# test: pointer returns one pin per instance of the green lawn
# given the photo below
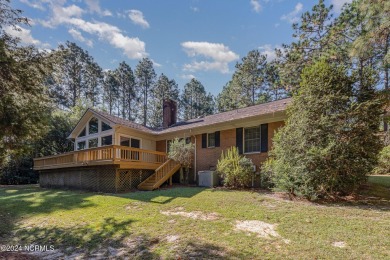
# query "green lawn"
(196, 223)
(383, 180)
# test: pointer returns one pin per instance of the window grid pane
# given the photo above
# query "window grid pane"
(107, 140)
(92, 143)
(252, 139)
(93, 126)
(211, 140)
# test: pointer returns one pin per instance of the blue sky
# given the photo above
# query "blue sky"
(185, 39)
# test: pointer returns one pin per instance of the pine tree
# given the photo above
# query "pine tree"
(250, 76)
(127, 90)
(77, 76)
(111, 91)
(164, 89)
(146, 76)
(195, 101)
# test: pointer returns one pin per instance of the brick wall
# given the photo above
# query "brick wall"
(207, 158)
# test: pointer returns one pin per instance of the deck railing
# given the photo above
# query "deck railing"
(106, 154)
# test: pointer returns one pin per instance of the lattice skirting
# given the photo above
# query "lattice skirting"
(101, 179)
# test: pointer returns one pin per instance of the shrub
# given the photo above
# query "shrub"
(383, 166)
(182, 153)
(235, 170)
(329, 143)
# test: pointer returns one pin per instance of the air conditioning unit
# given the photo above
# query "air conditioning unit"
(208, 178)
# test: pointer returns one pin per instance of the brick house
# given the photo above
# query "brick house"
(115, 155)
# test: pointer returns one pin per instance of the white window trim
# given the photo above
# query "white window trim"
(243, 140)
(97, 135)
(208, 140)
(131, 137)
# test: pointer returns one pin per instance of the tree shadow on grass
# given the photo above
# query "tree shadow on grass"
(24, 201)
(163, 196)
(369, 197)
(110, 232)
(203, 250)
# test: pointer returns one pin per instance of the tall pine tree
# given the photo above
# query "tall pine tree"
(146, 77)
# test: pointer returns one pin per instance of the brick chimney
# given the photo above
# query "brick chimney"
(169, 113)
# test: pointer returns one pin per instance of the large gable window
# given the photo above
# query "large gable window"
(105, 126)
(83, 133)
(252, 140)
(107, 140)
(93, 126)
(92, 143)
(81, 145)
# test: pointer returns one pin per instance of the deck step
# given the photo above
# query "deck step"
(161, 174)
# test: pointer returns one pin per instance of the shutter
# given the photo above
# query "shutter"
(239, 143)
(217, 139)
(204, 140)
(264, 137)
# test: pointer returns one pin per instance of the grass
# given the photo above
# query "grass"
(383, 180)
(84, 222)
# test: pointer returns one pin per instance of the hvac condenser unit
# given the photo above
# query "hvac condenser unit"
(208, 178)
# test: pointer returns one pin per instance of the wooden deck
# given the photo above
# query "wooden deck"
(124, 157)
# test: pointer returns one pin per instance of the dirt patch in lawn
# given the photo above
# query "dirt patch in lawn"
(192, 214)
(262, 229)
(339, 244)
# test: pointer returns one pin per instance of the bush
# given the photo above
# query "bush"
(266, 174)
(182, 153)
(235, 170)
(383, 166)
(329, 143)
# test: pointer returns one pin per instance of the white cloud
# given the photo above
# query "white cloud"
(71, 15)
(268, 50)
(94, 7)
(156, 64)
(293, 17)
(194, 9)
(25, 36)
(256, 6)
(218, 54)
(78, 36)
(134, 48)
(34, 4)
(338, 4)
(187, 76)
(137, 17)
(62, 14)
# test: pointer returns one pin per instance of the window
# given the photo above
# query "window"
(92, 143)
(125, 141)
(252, 140)
(211, 140)
(93, 126)
(107, 140)
(105, 126)
(130, 142)
(82, 133)
(135, 143)
(81, 145)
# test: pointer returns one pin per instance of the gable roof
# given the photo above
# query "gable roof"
(123, 122)
(274, 107)
(237, 114)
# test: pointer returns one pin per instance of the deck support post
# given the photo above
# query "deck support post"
(170, 181)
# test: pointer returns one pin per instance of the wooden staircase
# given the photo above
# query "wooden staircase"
(161, 174)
